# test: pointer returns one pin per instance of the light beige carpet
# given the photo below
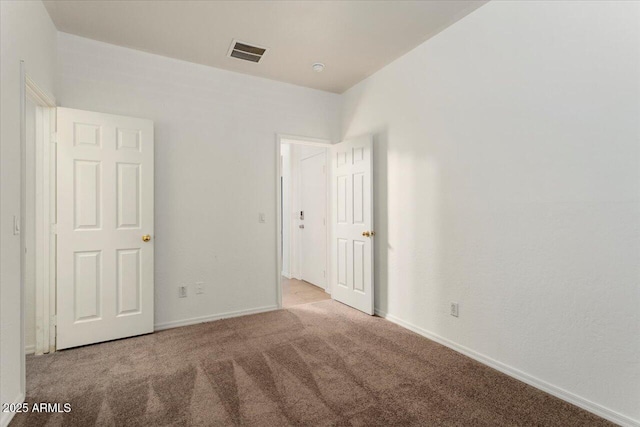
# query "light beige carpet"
(319, 364)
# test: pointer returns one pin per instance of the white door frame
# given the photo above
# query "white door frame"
(45, 198)
(45, 201)
(298, 140)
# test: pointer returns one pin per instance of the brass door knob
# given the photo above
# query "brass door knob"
(146, 238)
(366, 233)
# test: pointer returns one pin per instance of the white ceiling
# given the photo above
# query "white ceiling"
(353, 39)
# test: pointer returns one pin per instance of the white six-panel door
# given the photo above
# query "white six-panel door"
(352, 223)
(105, 207)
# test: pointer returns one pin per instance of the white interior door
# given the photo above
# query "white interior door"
(313, 237)
(105, 207)
(352, 223)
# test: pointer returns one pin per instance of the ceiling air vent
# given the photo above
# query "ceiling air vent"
(245, 51)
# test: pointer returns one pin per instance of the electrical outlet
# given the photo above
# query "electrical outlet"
(454, 309)
(261, 217)
(199, 287)
(182, 291)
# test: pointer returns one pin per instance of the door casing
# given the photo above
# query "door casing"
(44, 207)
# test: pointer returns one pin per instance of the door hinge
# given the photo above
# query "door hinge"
(54, 320)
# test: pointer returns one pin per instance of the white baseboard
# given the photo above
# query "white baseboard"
(558, 392)
(6, 417)
(30, 349)
(202, 319)
(286, 274)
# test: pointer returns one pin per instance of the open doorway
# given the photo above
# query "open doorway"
(303, 221)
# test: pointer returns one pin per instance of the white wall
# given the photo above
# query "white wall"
(26, 33)
(215, 154)
(507, 151)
